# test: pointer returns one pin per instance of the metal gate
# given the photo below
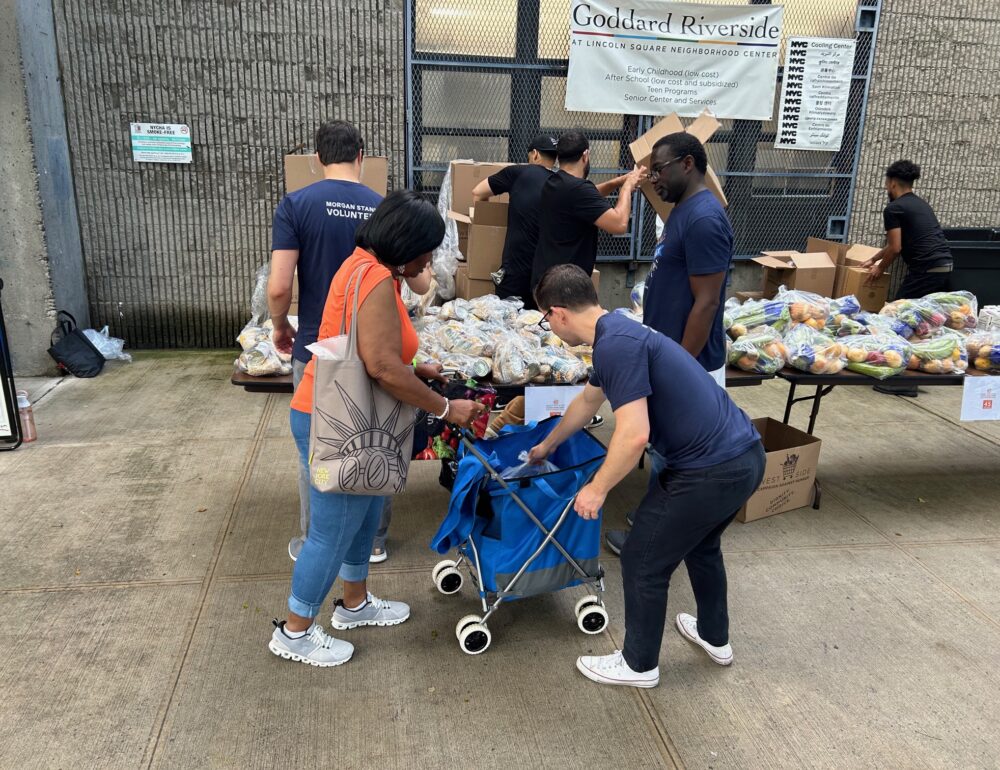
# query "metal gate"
(485, 76)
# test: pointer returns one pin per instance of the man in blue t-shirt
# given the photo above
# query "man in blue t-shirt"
(314, 231)
(712, 458)
(686, 285)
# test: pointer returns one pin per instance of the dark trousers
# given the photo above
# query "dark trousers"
(916, 285)
(682, 518)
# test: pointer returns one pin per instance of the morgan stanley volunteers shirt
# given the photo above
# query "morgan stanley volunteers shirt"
(320, 221)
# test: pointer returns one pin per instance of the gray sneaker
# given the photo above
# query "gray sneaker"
(374, 612)
(614, 539)
(316, 647)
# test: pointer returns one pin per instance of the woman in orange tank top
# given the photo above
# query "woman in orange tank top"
(394, 244)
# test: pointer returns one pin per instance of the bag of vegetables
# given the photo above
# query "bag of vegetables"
(802, 307)
(916, 316)
(812, 351)
(941, 353)
(843, 309)
(877, 355)
(760, 350)
(983, 350)
(754, 313)
(961, 307)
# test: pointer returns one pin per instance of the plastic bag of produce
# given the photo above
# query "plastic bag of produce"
(754, 313)
(846, 327)
(983, 350)
(455, 310)
(944, 352)
(760, 350)
(960, 306)
(638, 296)
(252, 335)
(469, 367)
(262, 360)
(558, 366)
(919, 316)
(514, 362)
(456, 337)
(989, 318)
(491, 308)
(812, 351)
(843, 308)
(878, 355)
(731, 307)
(803, 307)
(526, 318)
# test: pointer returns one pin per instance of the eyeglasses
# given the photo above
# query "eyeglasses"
(655, 171)
(545, 317)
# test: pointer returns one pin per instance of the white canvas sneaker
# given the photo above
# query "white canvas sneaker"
(315, 647)
(688, 627)
(612, 669)
(374, 612)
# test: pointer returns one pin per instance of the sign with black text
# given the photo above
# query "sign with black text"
(650, 57)
(815, 92)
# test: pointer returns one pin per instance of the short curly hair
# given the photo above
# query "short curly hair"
(904, 170)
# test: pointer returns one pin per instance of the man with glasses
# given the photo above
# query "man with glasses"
(686, 285)
(573, 209)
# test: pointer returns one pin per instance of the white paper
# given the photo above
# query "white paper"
(980, 399)
(161, 143)
(544, 401)
(815, 92)
(650, 57)
(6, 429)
(330, 349)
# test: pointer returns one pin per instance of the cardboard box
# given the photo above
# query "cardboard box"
(871, 298)
(465, 175)
(487, 233)
(468, 288)
(835, 249)
(595, 278)
(302, 170)
(858, 254)
(703, 127)
(794, 270)
(789, 473)
(743, 296)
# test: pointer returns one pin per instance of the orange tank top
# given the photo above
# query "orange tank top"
(333, 311)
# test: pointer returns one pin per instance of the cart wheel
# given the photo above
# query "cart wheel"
(475, 639)
(589, 599)
(592, 619)
(448, 581)
(468, 620)
(439, 568)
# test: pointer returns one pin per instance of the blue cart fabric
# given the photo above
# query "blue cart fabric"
(482, 510)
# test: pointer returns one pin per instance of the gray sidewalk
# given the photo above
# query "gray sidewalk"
(144, 556)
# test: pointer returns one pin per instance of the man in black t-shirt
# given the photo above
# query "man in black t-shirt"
(573, 209)
(524, 182)
(912, 232)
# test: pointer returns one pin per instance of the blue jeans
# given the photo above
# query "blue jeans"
(341, 531)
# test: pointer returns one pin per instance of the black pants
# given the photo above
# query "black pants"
(916, 285)
(682, 518)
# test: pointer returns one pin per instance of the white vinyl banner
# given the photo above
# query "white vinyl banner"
(650, 57)
(814, 93)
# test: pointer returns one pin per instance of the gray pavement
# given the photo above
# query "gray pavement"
(144, 556)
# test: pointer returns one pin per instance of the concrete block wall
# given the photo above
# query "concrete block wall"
(171, 250)
(935, 99)
(28, 305)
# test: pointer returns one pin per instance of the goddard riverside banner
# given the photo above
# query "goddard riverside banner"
(650, 57)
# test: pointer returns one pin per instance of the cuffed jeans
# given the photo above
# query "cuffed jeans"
(682, 518)
(298, 367)
(341, 531)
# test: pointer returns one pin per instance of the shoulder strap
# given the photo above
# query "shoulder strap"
(347, 290)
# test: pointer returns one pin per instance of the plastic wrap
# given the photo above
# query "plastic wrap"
(558, 366)
(915, 316)
(262, 360)
(731, 307)
(258, 300)
(812, 351)
(456, 309)
(638, 296)
(843, 308)
(515, 362)
(877, 355)
(760, 350)
(846, 327)
(456, 337)
(989, 318)
(551, 339)
(470, 367)
(444, 261)
(526, 318)
(491, 308)
(944, 352)
(252, 335)
(754, 313)
(112, 348)
(802, 307)
(983, 350)
(961, 307)
(527, 469)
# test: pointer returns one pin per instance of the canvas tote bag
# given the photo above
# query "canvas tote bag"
(360, 437)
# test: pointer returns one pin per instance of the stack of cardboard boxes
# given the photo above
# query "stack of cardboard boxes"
(827, 268)
(482, 228)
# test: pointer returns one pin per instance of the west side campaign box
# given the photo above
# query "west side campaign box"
(789, 473)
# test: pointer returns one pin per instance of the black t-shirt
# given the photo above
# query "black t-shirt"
(524, 183)
(924, 244)
(566, 231)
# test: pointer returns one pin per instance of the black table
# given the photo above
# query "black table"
(824, 383)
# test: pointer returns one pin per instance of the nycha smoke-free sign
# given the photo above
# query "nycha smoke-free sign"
(649, 57)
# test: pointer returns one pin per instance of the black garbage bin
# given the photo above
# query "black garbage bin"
(976, 251)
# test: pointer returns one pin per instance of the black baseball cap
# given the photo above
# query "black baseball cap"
(543, 143)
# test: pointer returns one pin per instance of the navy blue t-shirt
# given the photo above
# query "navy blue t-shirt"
(693, 422)
(697, 240)
(320, 221)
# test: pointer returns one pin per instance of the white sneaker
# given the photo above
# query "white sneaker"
(378, 556)
(374, 612)
(612, 669)
(688, 626)
(315, 647)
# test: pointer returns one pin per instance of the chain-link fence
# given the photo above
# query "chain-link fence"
(488, 75)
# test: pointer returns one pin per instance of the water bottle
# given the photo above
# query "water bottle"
(28, 432)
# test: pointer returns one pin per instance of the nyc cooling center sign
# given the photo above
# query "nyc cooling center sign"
(650, 57)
